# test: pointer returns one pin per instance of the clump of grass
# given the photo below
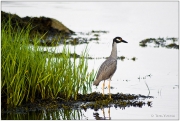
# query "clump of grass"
(27, 74)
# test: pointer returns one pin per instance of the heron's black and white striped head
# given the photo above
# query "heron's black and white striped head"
(119, 40)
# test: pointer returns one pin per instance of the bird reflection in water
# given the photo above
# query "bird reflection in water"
(98, 117)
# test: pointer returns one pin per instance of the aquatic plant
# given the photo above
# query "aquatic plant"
(134, 58)
(160, 42)
(142, 44)
(27, 74)
(173, 45)
(121, 58)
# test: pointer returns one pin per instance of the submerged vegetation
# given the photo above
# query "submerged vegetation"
(27, 74)
(160, 42)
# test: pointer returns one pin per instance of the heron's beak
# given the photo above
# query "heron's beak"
(124, 41)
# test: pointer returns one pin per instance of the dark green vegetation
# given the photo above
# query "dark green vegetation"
(27, 74)
(93, 101)
(160, 42)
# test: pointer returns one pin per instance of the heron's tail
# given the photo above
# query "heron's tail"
(96, 82)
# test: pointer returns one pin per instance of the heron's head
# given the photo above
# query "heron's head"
(119, 40)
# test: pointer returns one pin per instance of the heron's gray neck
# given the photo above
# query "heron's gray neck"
(114, 50)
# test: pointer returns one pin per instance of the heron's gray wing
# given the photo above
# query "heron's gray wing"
(107, 69)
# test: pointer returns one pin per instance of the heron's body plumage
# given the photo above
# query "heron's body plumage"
(108, 67)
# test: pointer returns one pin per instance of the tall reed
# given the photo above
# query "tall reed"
(27, 73)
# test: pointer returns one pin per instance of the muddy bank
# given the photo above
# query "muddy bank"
(88, 101)
(49, 27)
(40, 25)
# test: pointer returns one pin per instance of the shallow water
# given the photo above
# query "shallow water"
(133, 21)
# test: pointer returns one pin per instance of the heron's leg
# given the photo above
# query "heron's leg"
(109, 88)
(109, 112)
(103, 113)
(103, 87)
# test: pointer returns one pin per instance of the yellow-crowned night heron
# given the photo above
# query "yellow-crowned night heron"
(109, 66)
